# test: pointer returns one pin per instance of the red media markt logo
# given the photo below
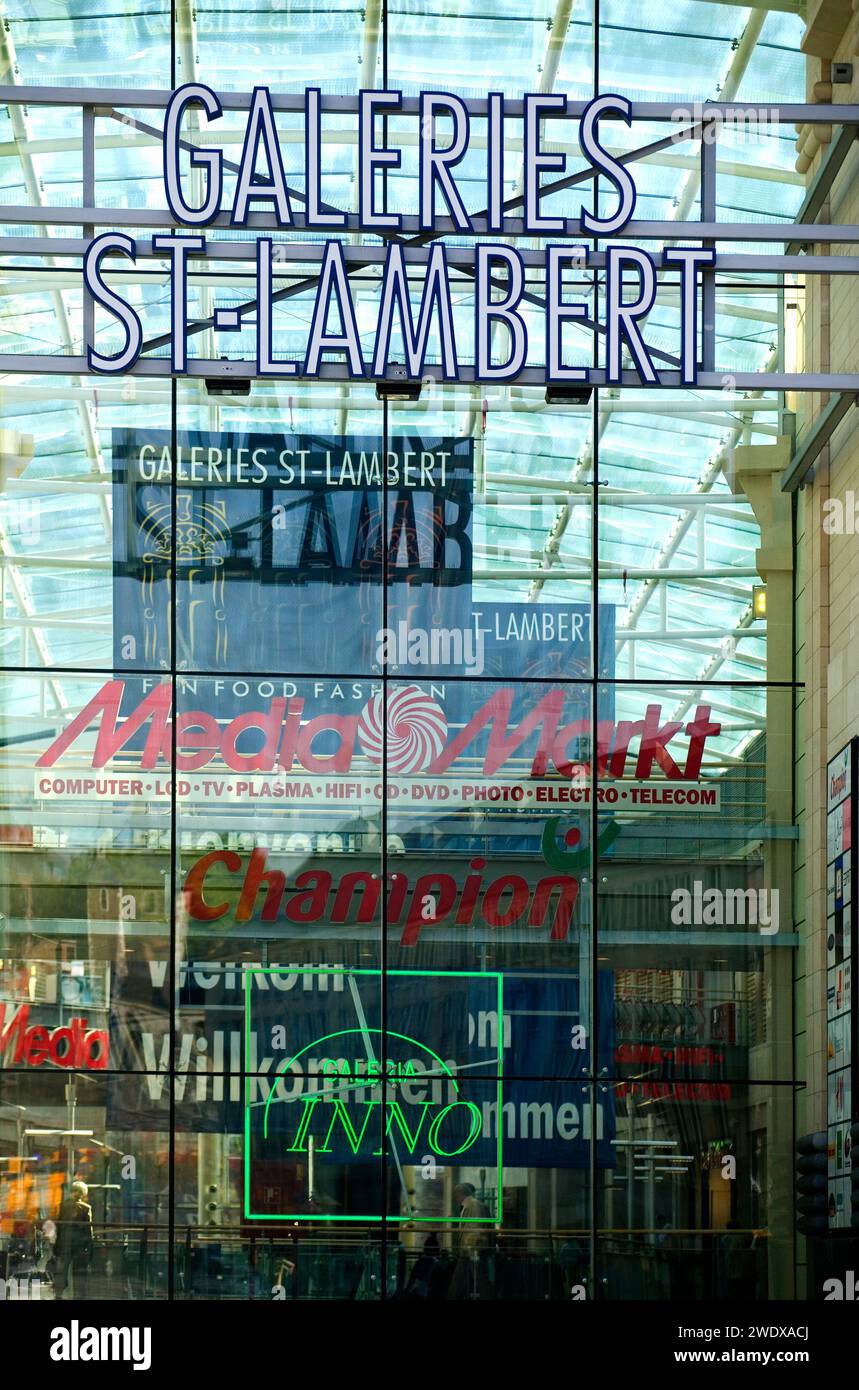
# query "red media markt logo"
(416, 729)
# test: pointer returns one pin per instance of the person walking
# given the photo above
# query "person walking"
(469, 1274)
(73, 1250)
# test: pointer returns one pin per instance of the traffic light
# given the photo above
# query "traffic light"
(811, 1185)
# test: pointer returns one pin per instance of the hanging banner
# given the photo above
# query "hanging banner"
(286, 559)
(271, 1045)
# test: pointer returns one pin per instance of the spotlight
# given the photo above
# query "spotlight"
(559, 394)
(397, 385)
(227, 385)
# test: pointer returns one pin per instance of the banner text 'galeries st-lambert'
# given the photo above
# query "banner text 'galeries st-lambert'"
(261, 186)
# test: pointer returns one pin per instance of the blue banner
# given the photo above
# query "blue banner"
(280, 549)
(444, 1041)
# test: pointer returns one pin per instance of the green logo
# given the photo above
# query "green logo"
(565, 860)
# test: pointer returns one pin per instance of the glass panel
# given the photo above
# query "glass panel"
(292, 44)
(695, 908)
(546, 1134)
(698, 1207)
(70, 590)
(84, 1184)
(89, 48)
(85, 890)
(678, 536)
(241, 680)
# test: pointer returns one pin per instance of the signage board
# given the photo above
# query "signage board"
(841, 948)
(247, 1033)
(439, 325)
(292, 552)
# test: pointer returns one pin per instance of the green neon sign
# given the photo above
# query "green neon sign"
(339, 1118)
(360, 1081)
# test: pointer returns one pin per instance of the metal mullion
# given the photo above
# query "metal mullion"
(383, 867)
(172, 971)
(637, 229)
(819, 435)
(823, 180)
(416, 252)
(88, 197)
(597, 425)
(37, 364)
(708, 275)
(781, 113)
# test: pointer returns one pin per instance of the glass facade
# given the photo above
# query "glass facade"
(397, 812)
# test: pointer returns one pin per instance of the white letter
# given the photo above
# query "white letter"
(680, 912)
(177, 248)
(501, 310)
(436, 164)
(312, 147)
(495, 162)
(618, 174)
(620, 317)
(60, 1344)
(833, 524)
(395, 290)
(557, 309)
(333, 276)
(206, 159)
(369, 157)
(128, 355)
(142, 1354)
(249, 188)
(536, 159)
(768, 926)
(688, 258)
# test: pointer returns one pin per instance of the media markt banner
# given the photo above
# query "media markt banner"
(527, 745)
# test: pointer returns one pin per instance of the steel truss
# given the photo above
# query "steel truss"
(295, 258)
(699, 122)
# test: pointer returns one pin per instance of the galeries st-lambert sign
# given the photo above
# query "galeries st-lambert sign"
(496, 330)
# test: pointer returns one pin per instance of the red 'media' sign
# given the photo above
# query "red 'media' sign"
(74, 1044)
(287, 740)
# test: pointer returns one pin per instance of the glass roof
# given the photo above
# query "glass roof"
(651, 451)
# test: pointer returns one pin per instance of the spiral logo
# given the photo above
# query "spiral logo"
(416, 729)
